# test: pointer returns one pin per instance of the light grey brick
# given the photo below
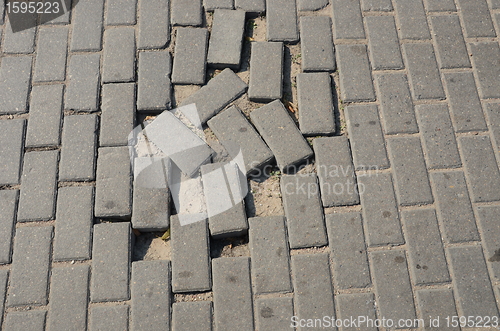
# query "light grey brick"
(266, 72)
(451, 50)
(211, 5)
(8, 203)
(51, 54)
(183, 312)
(317, 44)
(4, 274)
(355, 76)
(476, 18)
(109, 318)
(347, 19)
(11, 150)
(281, 20)
(153, 82)
(252, 6)
(412, 19)
(87, 18)
(119, 55)
(15, 76)
(21, 41)
(354, 305)
(376, 5)
(119, 12)
(440, 5)
(118, 114)
(82, 90)
(485, 58)
(437, 303)
(273, 313)
(25, 320)
(383, 43)
(190, 58)
(490, 228)
(154, 24)
(186, 12)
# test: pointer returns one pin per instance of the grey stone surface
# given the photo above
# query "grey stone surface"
(20, 42)
(436, 303)
(412, 20)
(485, 57)
(266, 72)
(476, 18)
(251, 6)
(186, 12)
(317, 43)
(153, 81)
(82, 89)
(109, 318)
(489, 217)
(383, 43)
(8, 203)
(190, 58)
(86, 34)
(347, 19)
(451, 50)
(118, 64)
(376, 5)
(118, 114)
(4, 275)
(211, 5)
(119, 12)
(440, 5)
(281, 20)
(495, 4)
(311, 5)
(11, 150)
(273, 313)
(154, 24)
(352, 306)
(50, 63)
(183, 312)
(493, 114)
(25, 320)
(15, 76)
(354, 71)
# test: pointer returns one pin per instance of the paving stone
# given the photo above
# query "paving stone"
(466, 109)
(87, 19)
(383, 43)
(423, 71)
(68, 298)
(4, 274)
(273, 313)
(113, 183)
(305, 220)
(37, 199)
(153, 82)
(232, 294)
(412, 19)
(26, 320)
(439, 139)
(74, 221)
(437, 303)
(51, 54)
(485, 57)
(490, 228)
(20, 42)
(495, 4)
(44, 125)
(376, 5)
(440, 5)
(211, 5)
(78, 150)
(454, 207)
(281, 135)
(8, 202)
(476, 18)
(352, 306)
(348, 250)
(481, 169)
(150, 295)
(251, 6)
(281, 20)
(11, 150)
(30, 266)
(109, 318)
(451, 50)
(15, 76)
(471, 282)
(354, 70)
(82, 90)
(315, 99)
(183, 312)
(111, 254)
(347, 19)
(493, 112)
(317, 43)
(266, 72)
(119, 55)
(186, 12)
(337, 179)
(2, 11)
(311, 5)
(217, 94)
(118, 114)
(190, 56)
(119, 12)
(50, 18)
(154, 24)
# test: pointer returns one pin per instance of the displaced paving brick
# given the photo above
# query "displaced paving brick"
(153, 82)
(8, 202)
(251, 6)
(281, 20)
(451, 50)
(30, 266)
(4, 274)
(437, 303)
(82, 90)
(440, 5)
(183, 312)
(485, 57)
(211, 5)
(355, 76)
(23, 41)
(15, 76)
(11, 150)
(217, 94)
(490, 228)
(37, 199)
(412, 19)
(266, 72)
(317, 43)
(186, 12)
(273, 313)
(355, 305)
(87, 19)
(119, 12)
(315, 99)
(26, 320)
(190, 56)
(376, 5)
(281, 135)
(109, 318)
(383, 43)
(51, 54)
(337, 179)
(119, 55)
(111, 254)
(118, 114)
(347, 19)
(423, 71)
(232, 294)
(150, 295)
(476, 18)
(154, 24)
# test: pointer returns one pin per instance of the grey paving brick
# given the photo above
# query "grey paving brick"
(11, 150)
(30, 266)
(186, 12)
(451, 50)
(120, 12)
(436, 303)
(20, 42)
(273, 313)
(50, 18)
(154, 24)
(113, 183)
(211, 5)
(2, 12)
(347, 19)
(454, 207)
(281, 20)
(252, 6)
(476, 18)
(119, 55)
(495, 4)
(440, 5)
(354, 70)
(109, 318)
(68, 298)
(266, 72)
(8, 203)
(317, 43)
(217, 94)
(383, 43)
(82, 90)
(37, 199)
(348, 250)
(466, 109)
(153, 82)
(51, 54)
(118, 114)
(376, 5)
(87, 18)
(337, 179)
(111, 254)
(74, 221)
(232, 294)
(183, 312)
(471, 282)
(412, 19)
(302, 204)
(281, 135)
(485, 57)
(493, 114)
(190, 56)
(355, 305)
(490, 228)
(78, 152)
(315, 99)
(481, 169)
(4, 274)
(311, 5)
(423, 71)
(26, 320)
(150, 295)
(15, 76)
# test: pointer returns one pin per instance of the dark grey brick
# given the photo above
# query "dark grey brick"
(383, 43)
(281, 135)
(11, 150)
(150, 295)
(348, 250)
(440, 5)
(355, 76)
(153, 82)
(25, 320)
(315, 99)
(347, 19)
(436, 303)
(118, 114)
(490, 227)
(51, 54)
(119, 55)
(232, 294)
(273, 313)
(451, 50)
(337, 179)
(266, 72)
(376, 5)
(252, 6)
(476, 18)
(281, 20)
(120, 12)
(485, 57)
(109, 318)
(4, 274)
(37, 199)
(211, 5)
(15, 76)
(154, 24)
(423, 71)
(190, 56)
(412, 19)
(30, 266)
(8, 202)
(302, 204)
(471, 282)
(183, 312)
(355, 305)
(87, 18)
(111, 254)
(20, 42)
(317, 43)
(186, 12)
(82, 90)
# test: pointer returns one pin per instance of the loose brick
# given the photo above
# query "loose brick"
(485, 57)
(119, 12)
(111, 253)
(490, 228)
(273, 313)
(119, 55)
(437, 303)
(86, 34)
(183, 312)
(440, 5)
(4, 274)
(305, 220)
(8, 202)
(11, 150)
(383, 43)
(211, 5)
(317, 43)
(153, 82)
(23, 40)
(311, 5)
(348, 250)
(347, 19)
(118, 114)
(190, 56)
(281, 20)
(30, 266)
(355, 305)
(476, 18)
(150, 295)
(281, 135)
(376, 5)
(451, 50)
(109, 318)
(251, 6)
(232, 294)
(82, 90)
(37, 199)
(266, 72)
(154, 24)
(51, 54)
(15, 76)
(355, 76)
(337, 179)
(186, 12)
(412, 19)
(26, 320)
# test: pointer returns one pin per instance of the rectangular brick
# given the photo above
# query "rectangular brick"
(51, 54)
(281, 20)
(440, 5)
(485, 57)
(451, 50)
(25, 320)
(4, 274)
(119, 12)
(87, 18)
(11, 150)
(153, 81)
(355, 305)
(355, 76)
(311, 5)
(15, 76)
(154, 24)
(8, 203)
(186, 12)
(273, 313)
(118, 114)
(437, 303)
(37, 199)
(412, 19)
(490, 227)
(82, 89)
(119, 55)
(476, 18)
(183, 312)
(252, 6)
(383, 43)
(211, 5)
(190, 58)
(266, 72)
(109, 318)
(347, 19)
(30, 266)
(317, 43)
(23, 40)
(53, 18)
(376, 5)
